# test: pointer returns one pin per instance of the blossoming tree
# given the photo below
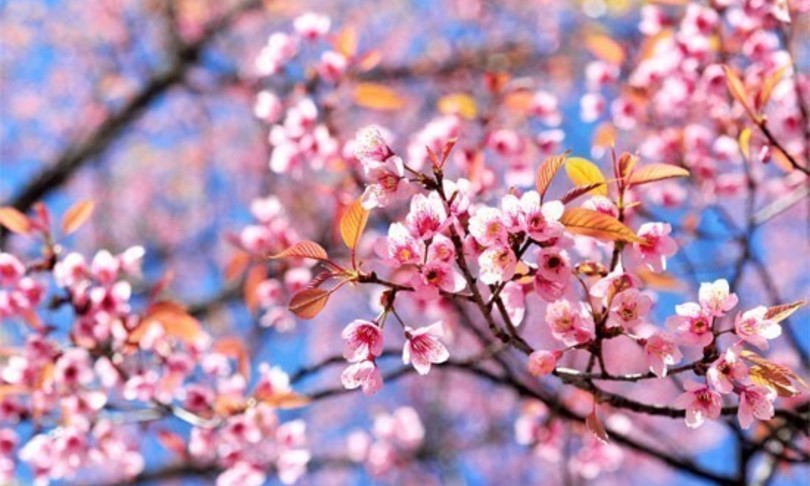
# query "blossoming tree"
(436, 284)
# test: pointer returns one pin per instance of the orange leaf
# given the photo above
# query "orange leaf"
(255, 276)
(661, 281)
(14, 220)
(172, 442)
(738, 91)
(519, 101)
(656, 172)
(595, 426)
(307, 303)
(579, 191)
(377, 97)
(595, 224)
(303, 249)
(353, 223)
(346, 42)
(626, 164)
(768, 85)
(546, 172)
(781, 312)
(173, 318)
(286, 400)
(369, 60)
(605, 48)
(237, 264)
(778, 377)
(605, 135)
(460, 104)
(583, 172)
(76, 216)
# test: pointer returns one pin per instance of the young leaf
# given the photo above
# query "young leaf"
(353, 223)
(307, 303)
(768, 85)
(781, 312)
(255, 277)
(656, 172)
(626, 164)
(738, 91)
(346, 42)
(460, 104)
(76, 216)
(173, 318)
(745, 142)
(284, 400)
(579, 191)
(595, 426)
(583, 172)
(604, 136)
(303, 249)
(595, 224)
(605, 48)
(546, 172)
(377, 97)
(14, 221)
(778, 377)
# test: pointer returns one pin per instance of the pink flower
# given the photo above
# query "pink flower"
(273, 381)
(387, 182)
(71, 270)
(402, 247)
(267, 107)
(441, 249)
(570, 325)
(515, 302)
(497, 265)
(541, 220)
(727, 369)
(693, 324)
(364, 375)
(548, 290)
(657, 245)
(488, 227)
(424, 348)
(364, 339)
(543, 362)
(332, 66)
(660, 352)
(311, 26)
(755, 402)
(602, 205)
(73, 369)
(700, 402)
(241, 474)
(752, 326)
(370, 145)
(716, 297)
(436, 276)
(104, 267)
(554, 264)
(11, 269)
(544, 106)
(427, 216)
(628, 308)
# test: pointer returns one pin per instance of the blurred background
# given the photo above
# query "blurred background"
(149, 107)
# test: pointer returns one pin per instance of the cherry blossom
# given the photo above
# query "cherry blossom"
(754, 327)
(423, 347)
(700, 402)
